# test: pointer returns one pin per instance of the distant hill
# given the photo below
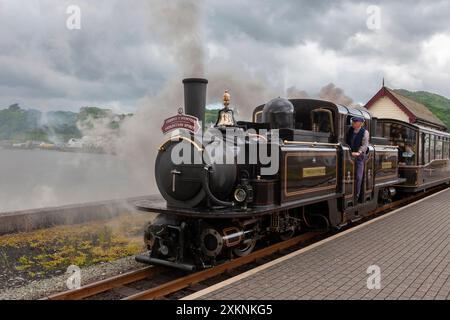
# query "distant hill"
(59, 126)
(439, 105)
(211, 116)
(19, 124)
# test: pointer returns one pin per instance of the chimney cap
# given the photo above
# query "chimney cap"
(195, 80)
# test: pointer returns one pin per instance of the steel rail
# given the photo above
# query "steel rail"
(184, 282)
(107, 284)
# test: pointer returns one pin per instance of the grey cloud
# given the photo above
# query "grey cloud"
(331, 18)
(113, 57)
(330, 23)
(124, 51)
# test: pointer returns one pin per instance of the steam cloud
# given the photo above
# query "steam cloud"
(335, 94)
(178, 24)
(329, 92)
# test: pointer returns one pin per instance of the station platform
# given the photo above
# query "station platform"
(411, 247)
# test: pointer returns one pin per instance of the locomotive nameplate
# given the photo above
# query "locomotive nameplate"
(386, 165)
(181, 121)
(314, 172)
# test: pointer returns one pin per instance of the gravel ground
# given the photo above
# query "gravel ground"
(28, 258)
(43, 288)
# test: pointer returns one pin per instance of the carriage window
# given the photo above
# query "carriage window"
(438, 152)
(420, 150)
(426, 149)
(405, 138)
(432, 137)
(387, 130)
(379, 132)
(445, 148)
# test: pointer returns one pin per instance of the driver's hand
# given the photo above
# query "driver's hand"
(355, 154)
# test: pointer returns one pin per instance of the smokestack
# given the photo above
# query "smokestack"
(195, 98)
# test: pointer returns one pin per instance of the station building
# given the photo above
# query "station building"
(389, 104)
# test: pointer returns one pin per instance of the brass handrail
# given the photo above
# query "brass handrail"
(195, 144)
(385, 146)
(257, 135)
(312, 143)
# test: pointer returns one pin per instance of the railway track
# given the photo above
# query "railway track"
(107, 284)
(177, 283)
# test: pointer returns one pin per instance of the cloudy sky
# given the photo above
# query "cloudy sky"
(126, 50)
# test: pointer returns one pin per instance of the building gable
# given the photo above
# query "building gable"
(384, 107)
(389, 104)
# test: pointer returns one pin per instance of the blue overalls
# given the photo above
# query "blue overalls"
(355, 142)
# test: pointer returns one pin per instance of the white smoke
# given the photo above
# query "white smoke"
(177, 28)
(178, 25)
(329, 92)
(334, 94)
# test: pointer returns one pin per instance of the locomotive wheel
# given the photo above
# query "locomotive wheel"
(244, 249)
(211, 242)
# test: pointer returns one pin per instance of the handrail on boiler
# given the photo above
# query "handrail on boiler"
(312, 143)
(178, 137)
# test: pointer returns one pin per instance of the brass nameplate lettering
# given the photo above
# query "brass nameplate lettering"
(314, 172)
(386, 165)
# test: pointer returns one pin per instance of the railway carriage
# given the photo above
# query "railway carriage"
(423, 154)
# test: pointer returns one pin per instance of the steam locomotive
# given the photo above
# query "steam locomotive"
(212, 211)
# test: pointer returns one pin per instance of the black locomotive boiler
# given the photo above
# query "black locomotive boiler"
(211, 211)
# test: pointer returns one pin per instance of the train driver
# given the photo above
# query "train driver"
(358, 140)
